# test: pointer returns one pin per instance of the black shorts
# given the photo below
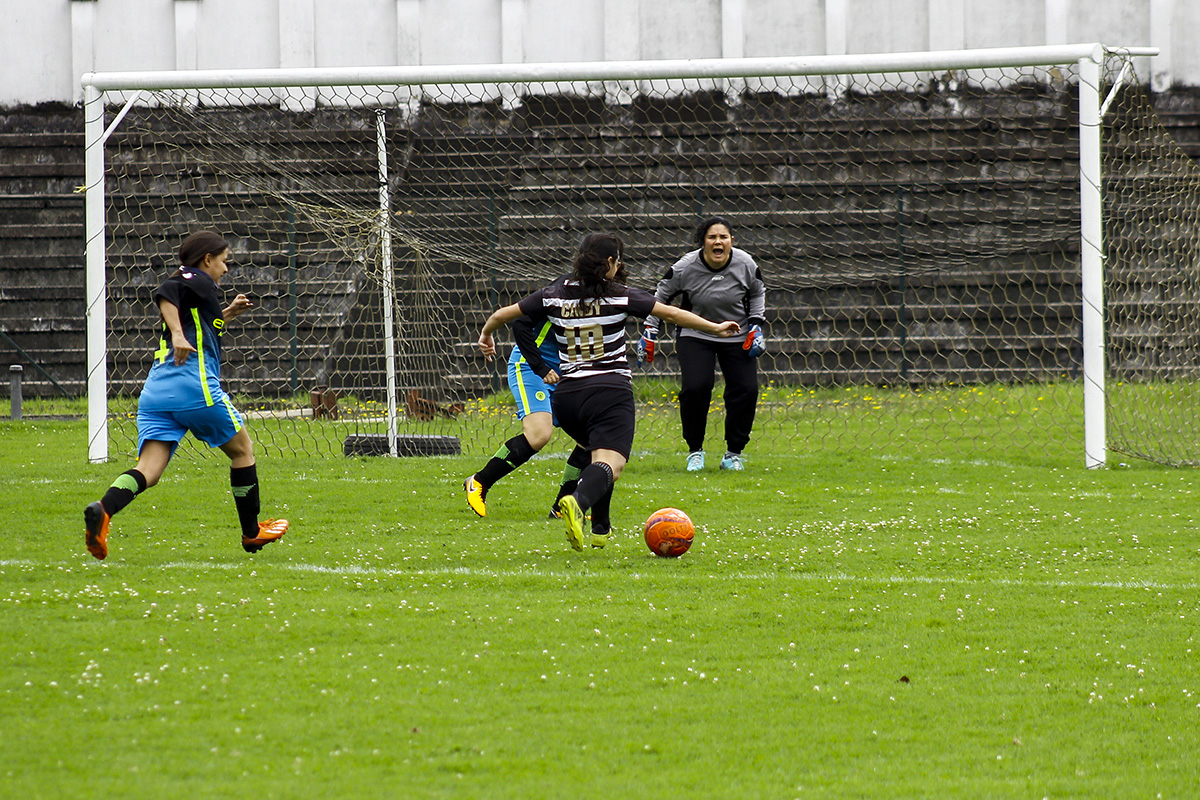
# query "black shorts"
(596, 417)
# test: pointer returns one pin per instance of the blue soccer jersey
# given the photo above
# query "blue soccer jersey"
(197, 382)
(537, 347)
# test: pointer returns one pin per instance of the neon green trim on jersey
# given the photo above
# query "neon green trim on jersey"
(160, 355)
(541, 337)
(208, 401)
(233, 417)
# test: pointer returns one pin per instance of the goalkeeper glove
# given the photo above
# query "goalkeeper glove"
(646, 345)
(754, 341)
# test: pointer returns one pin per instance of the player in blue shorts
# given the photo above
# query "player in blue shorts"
(183, 393)
(532, 376)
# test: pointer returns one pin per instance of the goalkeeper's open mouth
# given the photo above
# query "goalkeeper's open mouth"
(717, 254)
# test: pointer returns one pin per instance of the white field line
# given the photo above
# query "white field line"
(471, 572)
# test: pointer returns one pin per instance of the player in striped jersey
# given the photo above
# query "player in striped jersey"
(532, 374)
(593, 399)
(183, 393)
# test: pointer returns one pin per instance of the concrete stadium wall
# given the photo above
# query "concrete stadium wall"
(50, 44)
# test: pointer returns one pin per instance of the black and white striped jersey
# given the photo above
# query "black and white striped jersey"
(590, 332)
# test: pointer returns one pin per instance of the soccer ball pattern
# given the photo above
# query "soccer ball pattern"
(669, 532)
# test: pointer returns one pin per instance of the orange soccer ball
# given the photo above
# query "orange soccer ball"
(669, 532)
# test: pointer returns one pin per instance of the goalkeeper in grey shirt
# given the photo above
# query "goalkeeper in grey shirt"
(718, 282)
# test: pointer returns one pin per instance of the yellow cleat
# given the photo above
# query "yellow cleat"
(475, 493)
(572, 515)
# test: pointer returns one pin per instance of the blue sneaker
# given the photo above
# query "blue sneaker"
(695, 461)
(733, 461)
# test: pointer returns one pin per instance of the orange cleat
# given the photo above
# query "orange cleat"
(268, 531)
(95, 519)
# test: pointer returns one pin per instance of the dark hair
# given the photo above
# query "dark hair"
(198, 245)
(702, 229)
(591, 262)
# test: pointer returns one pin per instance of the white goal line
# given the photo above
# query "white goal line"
(800, 577)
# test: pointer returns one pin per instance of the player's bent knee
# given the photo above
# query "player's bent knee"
(240, 448)
(539, 439)
(538, 428)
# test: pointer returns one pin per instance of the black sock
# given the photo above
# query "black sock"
(595, 482)
(128, 485)
(601, 522)
(243, 481)
(512, 454)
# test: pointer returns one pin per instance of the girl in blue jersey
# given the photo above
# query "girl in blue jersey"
(532, 375)
(183, 393)
(593, 400)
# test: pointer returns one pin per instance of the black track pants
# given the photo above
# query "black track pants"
(698, 360)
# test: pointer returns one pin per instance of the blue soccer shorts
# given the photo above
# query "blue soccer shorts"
(531, 392)
(214, 425)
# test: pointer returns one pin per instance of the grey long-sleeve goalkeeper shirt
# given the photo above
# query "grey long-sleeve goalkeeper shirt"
(735, 292)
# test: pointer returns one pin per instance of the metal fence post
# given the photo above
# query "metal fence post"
(14, 372)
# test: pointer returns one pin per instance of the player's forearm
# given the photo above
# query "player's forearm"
(686, 318)
(758, 307)
(170, 317)
(499, 318)
(240, 305)
(663, 293)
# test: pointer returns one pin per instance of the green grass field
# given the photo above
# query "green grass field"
(851, 622)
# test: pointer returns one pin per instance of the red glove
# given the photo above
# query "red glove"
(646, 345)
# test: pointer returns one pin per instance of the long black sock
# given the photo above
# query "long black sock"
(595, 482)
(128, 485)
(601, 522)
(512, 454)
(243, 481)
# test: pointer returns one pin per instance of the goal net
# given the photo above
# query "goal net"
(917, 219)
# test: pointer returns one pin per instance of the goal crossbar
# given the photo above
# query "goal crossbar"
(614, 70)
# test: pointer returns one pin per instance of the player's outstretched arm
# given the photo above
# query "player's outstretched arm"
(499, 317)
(689, 320)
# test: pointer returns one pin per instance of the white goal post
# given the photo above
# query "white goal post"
(123, 90)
